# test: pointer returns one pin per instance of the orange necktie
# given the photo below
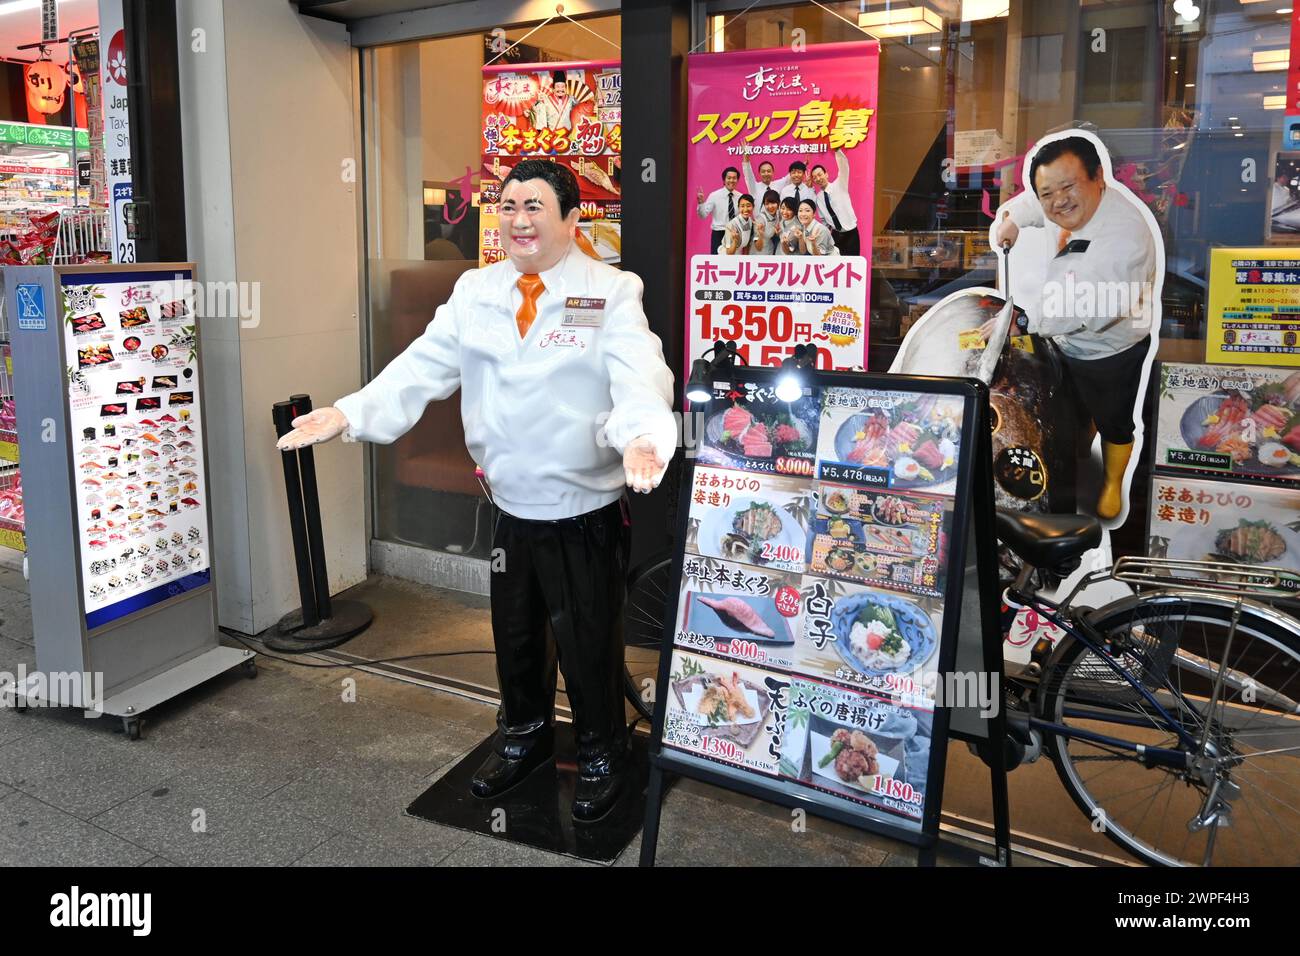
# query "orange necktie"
(1063, 241)
(530, 284)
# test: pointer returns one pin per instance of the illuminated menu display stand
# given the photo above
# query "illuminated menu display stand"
(826, 550)
(119, 526)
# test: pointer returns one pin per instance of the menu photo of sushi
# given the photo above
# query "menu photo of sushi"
(888, 439)
(134, 318)
(762, 520)
(725, 711)
(180, 398)
(83, 324)
(749, 428)
(94, 356)
(176, 309)
(870, 638)
(739, 611)
(857, 746)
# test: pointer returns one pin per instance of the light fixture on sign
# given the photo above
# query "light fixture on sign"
(435, 197)
(901, 22)
(1261, 61)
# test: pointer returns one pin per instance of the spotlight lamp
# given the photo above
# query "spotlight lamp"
(789, 387)
(699, 389)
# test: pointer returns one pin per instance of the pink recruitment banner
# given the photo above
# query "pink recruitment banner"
(780, 178)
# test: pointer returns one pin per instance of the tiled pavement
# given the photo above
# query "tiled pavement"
(280, 770)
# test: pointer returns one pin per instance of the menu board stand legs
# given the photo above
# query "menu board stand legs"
(654, 798)
(985, 545)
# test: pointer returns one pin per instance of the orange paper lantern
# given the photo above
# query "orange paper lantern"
(46, 85)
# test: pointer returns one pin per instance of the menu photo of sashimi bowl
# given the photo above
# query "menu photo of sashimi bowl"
(724, 710)
(760, 520)
(760, 433)
(890, 439)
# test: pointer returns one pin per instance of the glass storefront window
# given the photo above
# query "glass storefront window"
(422, 111)
(1190, 111)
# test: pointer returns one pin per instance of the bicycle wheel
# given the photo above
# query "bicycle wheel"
(643, 631)
(1238, 803)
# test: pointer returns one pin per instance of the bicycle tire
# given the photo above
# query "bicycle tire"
(644, 615)
(1258, 622)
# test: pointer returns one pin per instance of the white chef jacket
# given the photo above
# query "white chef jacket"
(714, 207)
(1120, 250)
(838, 188)
(533, 407)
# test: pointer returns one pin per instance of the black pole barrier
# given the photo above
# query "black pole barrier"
(311, 504)
(282, 414)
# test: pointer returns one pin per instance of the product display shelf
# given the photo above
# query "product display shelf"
(11, 512)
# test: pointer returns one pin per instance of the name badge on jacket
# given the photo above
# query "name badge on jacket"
(583, 312)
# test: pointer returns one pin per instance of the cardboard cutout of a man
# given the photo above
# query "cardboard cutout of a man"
(544, 346)
(1103, 270)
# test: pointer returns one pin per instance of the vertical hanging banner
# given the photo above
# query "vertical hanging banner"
(117, 134)
(780, 179)
(571, 113)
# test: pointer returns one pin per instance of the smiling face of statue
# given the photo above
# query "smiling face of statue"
(539, 235)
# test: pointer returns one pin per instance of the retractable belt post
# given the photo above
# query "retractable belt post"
(320, 622)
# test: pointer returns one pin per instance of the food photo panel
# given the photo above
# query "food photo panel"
(739, 611)
(900, 441)
(760, 520)
(725, 711)
(856, 746)
(747, 427)
(870, 638)
(1229, 421)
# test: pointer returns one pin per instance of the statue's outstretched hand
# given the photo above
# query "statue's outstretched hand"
(318, 425)
(642, 465)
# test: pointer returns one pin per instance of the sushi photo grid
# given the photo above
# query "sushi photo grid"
(133, 399)
(811, 603)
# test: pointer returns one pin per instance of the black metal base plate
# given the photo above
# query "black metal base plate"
(538, 811)
(347, 620)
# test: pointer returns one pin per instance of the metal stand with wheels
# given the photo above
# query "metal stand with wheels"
(320, 622)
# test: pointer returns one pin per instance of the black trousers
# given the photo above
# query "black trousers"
(560, 588)
(716, 241)
(1106, 389)
(847, 242)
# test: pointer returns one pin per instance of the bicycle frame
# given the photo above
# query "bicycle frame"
(1081, 631)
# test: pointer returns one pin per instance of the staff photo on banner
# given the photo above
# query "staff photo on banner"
(780, 183)
(571, 113)
(1067, 348)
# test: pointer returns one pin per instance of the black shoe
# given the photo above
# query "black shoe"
(501, 771)
(596, 794)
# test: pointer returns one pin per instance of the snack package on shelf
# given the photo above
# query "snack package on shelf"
(11, 501)
(35, 247)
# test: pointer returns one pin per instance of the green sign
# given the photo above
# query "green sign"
(27, 134)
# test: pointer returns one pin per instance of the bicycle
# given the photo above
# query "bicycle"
(1130, 691)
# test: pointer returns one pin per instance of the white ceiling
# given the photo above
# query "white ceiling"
(23, 25)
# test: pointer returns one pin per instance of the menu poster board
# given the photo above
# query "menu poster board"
(1253, 307)
(1198, 520)
(1229, 421)
(772, 276)
(571, 113)
(135, 417)
(817, 602)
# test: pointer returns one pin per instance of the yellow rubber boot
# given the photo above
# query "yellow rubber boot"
(1115, 461)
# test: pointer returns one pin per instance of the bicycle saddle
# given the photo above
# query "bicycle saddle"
(1047, 541)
